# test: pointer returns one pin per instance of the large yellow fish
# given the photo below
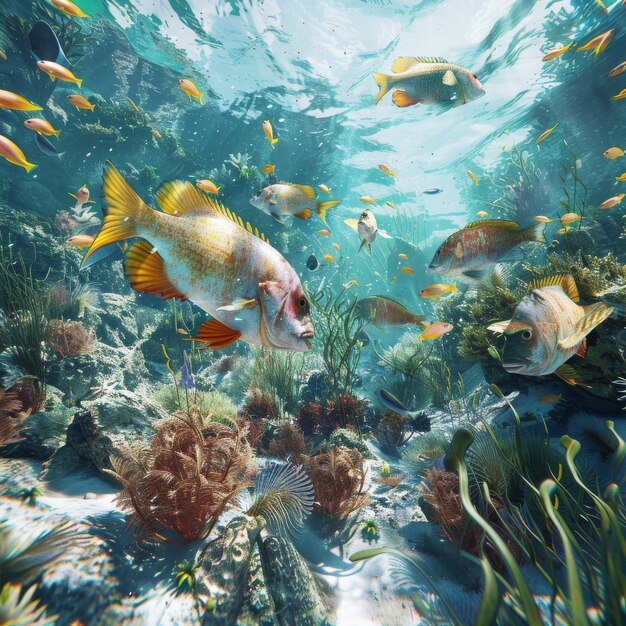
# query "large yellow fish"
(41, 126)
(69, 7)
(13, 154)
(54, 70)
(197, 249)
(10, 100)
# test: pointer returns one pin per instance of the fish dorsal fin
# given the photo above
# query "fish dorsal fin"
(307, 190)
(503, 224)
(595, 315)
(565, 281)
(146, 272)
(352, 223)
(402, 64)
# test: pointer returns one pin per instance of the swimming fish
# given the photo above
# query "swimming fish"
(13, 154)
(208, 185)
(545, 133)
(69, 7)
(190, 89)
(550, 398)
(472, 176)
(385, 170)
(432, 191)
(569, 218)
(618, 69)
(403, 256)
(472, 251)
(268, 168)
(420, 422)
(80, 102)
(55, 70)
(407, 270)
(383, 311)
(611, 202)
(542, 219)
(47, 147)
(68, 397)
(324, 231)
(324, 188)
(428, 80)
(548, 327)
(436, 291)
(290, 199)
(390, 204)
(312, 263)
(434, 331)
(602, 6)
(562, 231)
(613, 153)
(132, 104)
(367, 228)
(599, 43)
(328, 258)
(269, 133)
(557, 52)
(367, 199)
(41, 126)
(156, 134)
(336, 246)
(197, 249)
(82, 197)
(80, 241)
(482, 214)
(620, 96)
(15, 102)
(621, 178)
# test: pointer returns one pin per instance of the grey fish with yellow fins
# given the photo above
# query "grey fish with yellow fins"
(428, 80)
(291, 199)
(383, 311)
(367, 228)
(548, 327)
(472, 252)
(197, 249)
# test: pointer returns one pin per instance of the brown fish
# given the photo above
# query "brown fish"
(383, 311)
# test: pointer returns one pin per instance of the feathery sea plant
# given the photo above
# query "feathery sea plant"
(12, 416)
(17, 607)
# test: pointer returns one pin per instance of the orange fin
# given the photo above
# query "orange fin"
(402, 99)
(304, 215)
(146, 272)
(216, 335)
(582, 350)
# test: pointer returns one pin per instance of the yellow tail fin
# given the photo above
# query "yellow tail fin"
(29, 166)
(383, 85)
(122, 207)
(79, 82)
(322, 207)
(56, 133)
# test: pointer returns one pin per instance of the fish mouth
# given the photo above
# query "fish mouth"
(306, 336)
(514, 365)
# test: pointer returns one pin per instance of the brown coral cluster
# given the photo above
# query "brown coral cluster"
(70, 338)
(260, 406)
(392, 430)
(12, 416)
(188, 476)
(290, 444)
(344, 411)
(308, 417)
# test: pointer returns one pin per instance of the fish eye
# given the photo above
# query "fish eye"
(527, 334)
(303, 303)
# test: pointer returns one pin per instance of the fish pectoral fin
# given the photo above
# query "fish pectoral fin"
(478, 274)
(145, 270)
(595, 314)
(567, 374)
(305, 214)
(449, 79)
(402, 99)
(384, 234)
(363, 242)
(239, 305)
(278, 218)
(216, 335)
(499, 327)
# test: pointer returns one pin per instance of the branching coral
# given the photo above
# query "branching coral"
(182, 483)
(70, 338)
(343, 411)
(260, 406)
(308, 417)
(290, 444)
(393, 430)
(338, 478)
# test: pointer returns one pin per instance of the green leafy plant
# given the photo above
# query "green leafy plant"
(186, 574)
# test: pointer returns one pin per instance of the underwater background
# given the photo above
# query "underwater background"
(406, 469)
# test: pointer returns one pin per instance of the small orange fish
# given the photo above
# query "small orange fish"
(80, 102)
(403, 256)
(562, 231)
(622, 177)
(599, 43)
(620, 96)
(269, 132)
(190, 89)
(56, 70)
(569, 218)
(367, 199)
(324, 188)
(156, 134)
(550, 398)
(13, 154)
(182, 331)
(324, 231)
(80, 241)
(611, 202)
(542, 219)
(618, 69)
(390, 204)
(328, 258)
(482, 214)
(208, 185)
(436, 330)
(268, 168)
(386, 170)
(613, 153)
(545, 134)
(3, 55)
(393, 279)
(41, 126)
(557, 52)
(472, 176)
(407, 270)
(132, 104)
(434, 292)
(602, 6)
(336, 246)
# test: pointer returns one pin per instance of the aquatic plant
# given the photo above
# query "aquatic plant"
(255, 430)
(338, 326)
(65, 223)
(423, 452)
(308, 417)
(338, 478)
(593, 433)
(71, 302)
(239, 163)
(180, 485)
(70, 338)
(17, 607)
(30, 495)
(393, 430)
(289, 445)
(387, 477)
(25, 550)
(30, 393)
(342, 411)
(369, 530)
(186, 574)
(12, 416)
(260, 406)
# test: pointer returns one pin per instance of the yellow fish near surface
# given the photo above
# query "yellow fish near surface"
(328, 258)
(436, 291)
(41, 126)
(621, 95)
(403, 256)
(13, 154)
(482, 214)
(545, 134)
(336, 246)
(156, 134)
(618, 69)
(562, 231)
(557, 52)
(367, 199)
(69, 7)
(80, 102)
(269, 133)
(599, 43)
(613, 153)
(196, 249)
(542, 219)
(80, 241)
(436, 330)
(208, 185)
(54, 70)
(324, 188)
(324, 231)
(390, 204)
(611, 202)
(385, 170)
(407, 270)
(15, 102)
(621, 178)
(132, 104)
(189, 88)
(268, 168)
(472, 176)
(569, 218)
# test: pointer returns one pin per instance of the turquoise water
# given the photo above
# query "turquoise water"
(90, 366)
